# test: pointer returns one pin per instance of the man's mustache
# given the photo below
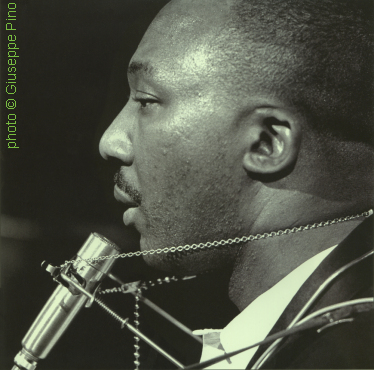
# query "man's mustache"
(120, 181)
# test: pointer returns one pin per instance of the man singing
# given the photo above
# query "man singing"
(254, 118)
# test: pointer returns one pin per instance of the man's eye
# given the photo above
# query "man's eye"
(144, 103)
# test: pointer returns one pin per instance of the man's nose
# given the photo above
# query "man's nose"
(116, 141)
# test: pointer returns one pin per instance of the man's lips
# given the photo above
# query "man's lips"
(124, 198)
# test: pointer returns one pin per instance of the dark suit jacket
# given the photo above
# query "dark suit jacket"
(346, 345)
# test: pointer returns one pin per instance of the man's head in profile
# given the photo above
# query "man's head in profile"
(246, 117)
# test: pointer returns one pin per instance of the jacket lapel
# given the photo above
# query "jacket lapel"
(345, 287)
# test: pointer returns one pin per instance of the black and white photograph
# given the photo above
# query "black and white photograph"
(187, 184)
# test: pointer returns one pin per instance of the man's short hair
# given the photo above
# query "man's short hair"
(315, 54)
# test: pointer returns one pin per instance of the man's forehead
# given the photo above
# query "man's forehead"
(170, 67)
(208, 11)
(188, 20)
(178, 39)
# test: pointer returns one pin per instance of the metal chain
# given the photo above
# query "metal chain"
(237, 240)
(144, 286)
(136, 322)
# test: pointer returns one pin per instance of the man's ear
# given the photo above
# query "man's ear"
(272, 140)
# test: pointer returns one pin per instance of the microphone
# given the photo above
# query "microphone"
(66, 301)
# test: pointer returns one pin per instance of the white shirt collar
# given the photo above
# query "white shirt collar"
(255, 322)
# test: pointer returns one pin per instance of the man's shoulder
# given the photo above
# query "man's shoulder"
(346, 344)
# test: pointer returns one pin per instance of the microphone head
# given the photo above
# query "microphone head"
(93, 271)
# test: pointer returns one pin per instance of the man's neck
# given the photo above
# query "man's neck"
(261, 264)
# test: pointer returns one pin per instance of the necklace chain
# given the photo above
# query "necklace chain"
(222, 243)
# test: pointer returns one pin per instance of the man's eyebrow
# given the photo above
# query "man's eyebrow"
(136, 67)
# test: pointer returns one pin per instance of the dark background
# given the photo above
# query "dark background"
(55, 189)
